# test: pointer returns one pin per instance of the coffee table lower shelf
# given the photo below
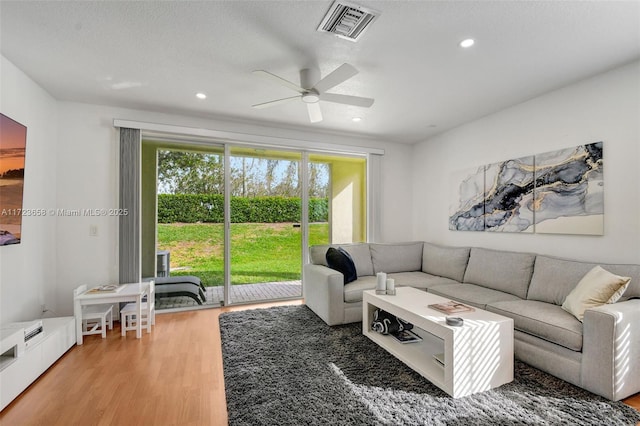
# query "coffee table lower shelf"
(417, 355)
(477, 356)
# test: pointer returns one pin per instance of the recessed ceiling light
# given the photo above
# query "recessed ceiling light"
(467, 43)
(201, 96)
(356, 119)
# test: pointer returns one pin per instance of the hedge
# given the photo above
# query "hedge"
(191, 208)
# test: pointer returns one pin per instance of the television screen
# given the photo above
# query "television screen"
(13, 142)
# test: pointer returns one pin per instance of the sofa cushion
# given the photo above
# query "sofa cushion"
(566, 274)
(353, 290)
(500, 270)
(449, 262)
(341, 261)
(359, 253)
(471, 294)
(401, 257)
(544, 320)
(596, 288)
(419, 280)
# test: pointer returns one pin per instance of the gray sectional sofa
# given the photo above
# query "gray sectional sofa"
(600, 354)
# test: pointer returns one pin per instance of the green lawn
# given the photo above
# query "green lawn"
(260, 252)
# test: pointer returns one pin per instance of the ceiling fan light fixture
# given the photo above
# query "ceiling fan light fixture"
(311, 97)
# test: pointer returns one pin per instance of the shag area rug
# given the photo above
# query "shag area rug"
(285, 366)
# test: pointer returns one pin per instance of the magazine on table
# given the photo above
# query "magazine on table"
(406, 336)
(111, 288)
(451, 307)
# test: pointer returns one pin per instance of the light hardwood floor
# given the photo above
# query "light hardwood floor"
(172, 376)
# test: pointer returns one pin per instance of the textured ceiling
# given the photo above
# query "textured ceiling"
(157, 55)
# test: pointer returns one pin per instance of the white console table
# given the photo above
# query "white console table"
(22, 364)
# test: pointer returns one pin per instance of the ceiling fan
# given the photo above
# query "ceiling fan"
(312, 89)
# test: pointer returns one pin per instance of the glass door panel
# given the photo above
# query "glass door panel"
(319, 188)
(189, 224)
(265, 229)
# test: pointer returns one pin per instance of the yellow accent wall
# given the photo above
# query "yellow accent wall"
(348, 201)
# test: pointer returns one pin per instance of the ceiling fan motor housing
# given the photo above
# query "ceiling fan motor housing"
(309, 77)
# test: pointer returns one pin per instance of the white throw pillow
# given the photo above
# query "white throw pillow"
(596, 288)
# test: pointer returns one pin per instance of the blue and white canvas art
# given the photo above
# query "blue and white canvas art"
(569, 193)
(466, 207)
(558, 192)
(509, 195)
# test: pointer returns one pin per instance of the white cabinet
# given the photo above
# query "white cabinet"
(21, 364)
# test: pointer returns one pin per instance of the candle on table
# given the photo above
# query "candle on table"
(391, 286)
(381, 282)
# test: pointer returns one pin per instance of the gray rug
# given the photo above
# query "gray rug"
(285, 366)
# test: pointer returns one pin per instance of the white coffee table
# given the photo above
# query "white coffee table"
(478, 356)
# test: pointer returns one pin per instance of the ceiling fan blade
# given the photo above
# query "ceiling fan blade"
(279, 80)
(315, 114)
(274, 103)
(343, 73)
(346, 99)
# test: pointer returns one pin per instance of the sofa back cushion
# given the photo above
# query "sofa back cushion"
(448, 262)
(500, 270)
(554, 278)
(399, 257)
(359, 253)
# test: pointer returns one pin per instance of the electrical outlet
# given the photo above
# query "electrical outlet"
(93, 230)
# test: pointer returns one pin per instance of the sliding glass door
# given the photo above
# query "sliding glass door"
(240, 219)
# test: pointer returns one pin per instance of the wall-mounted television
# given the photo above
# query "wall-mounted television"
(13, 144)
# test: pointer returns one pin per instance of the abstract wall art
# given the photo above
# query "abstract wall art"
(509, 194)
(466, 206)
(559, 192)
(569, 191)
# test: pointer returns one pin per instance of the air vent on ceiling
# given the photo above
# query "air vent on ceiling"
(347, 20)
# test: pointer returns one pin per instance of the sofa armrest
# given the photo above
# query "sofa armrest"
(611, 350)
(324, 292)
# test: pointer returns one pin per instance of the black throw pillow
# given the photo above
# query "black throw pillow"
(341, 261)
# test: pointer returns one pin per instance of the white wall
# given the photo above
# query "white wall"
(88, 177)
(603, 108)
(72, 164)
(28, 270)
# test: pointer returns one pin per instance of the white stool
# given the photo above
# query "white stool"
(129, 313)
(95, 318)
